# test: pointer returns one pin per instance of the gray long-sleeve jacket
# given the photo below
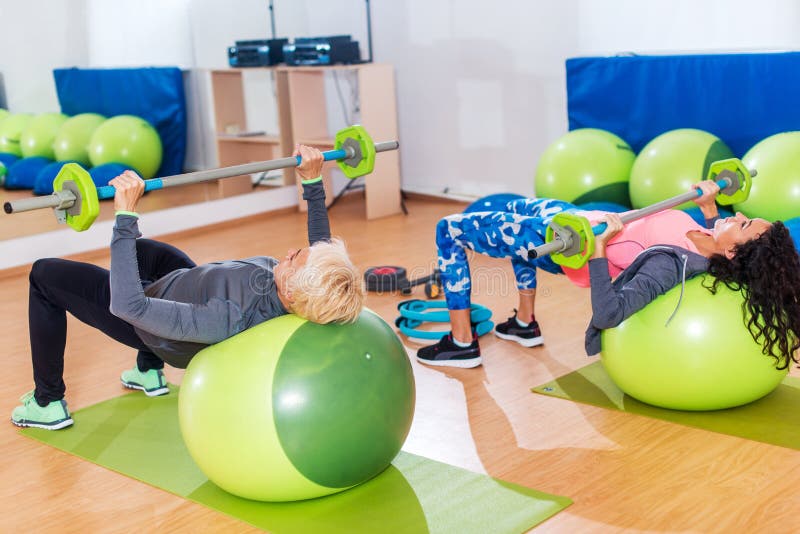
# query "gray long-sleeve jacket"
(189, 309)
(654, 272)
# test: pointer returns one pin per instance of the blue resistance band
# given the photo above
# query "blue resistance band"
(413, 315)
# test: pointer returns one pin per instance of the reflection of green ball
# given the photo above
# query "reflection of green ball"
(37, 137)
(11, 130)
(775, 193)
(705, 359)
(585, 165)
(291, 410)
(72, 140)
(128, 140)
(671, 163)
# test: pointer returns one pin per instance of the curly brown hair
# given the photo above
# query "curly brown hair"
(766, 270)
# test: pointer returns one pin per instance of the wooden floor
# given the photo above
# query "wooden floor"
(624, 472)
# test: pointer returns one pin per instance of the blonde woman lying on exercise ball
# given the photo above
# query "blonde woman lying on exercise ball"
(158, 301)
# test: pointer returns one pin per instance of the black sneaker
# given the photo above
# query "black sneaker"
(527, 336)
(448, 354)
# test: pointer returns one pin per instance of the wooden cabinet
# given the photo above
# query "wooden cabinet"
(303, 118)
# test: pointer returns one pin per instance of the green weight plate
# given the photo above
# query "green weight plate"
(357, 167)
(87, 207)
(583, 228)
(746, 180)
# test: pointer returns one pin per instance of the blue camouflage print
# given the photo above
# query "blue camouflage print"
(499, 234)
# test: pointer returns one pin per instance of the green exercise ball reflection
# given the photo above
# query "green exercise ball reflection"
(128, 140)
(290, 410)
(11, 130)
(72, 140)
(705, 359)
(37, 137)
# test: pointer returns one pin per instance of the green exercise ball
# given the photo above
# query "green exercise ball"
(290, 409)
(775, 193)
(72, 140)
(3, 114)
(128, 140)
(671, 163)
(37, 137)
(585, 165)
(11, 130)
(705, 359)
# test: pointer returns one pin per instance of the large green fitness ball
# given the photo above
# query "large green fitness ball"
(291, 409)
(585, 165)
(72, 140)
(671, 163)
(128, 140)
(37, 137)
(11, 130)
(705, 359)
(776, 189)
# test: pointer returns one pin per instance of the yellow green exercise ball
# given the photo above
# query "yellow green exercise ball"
(11, 130)
(585, 165)
(704, 359)
(37, 137)
(290, 409)
(775, 193)
(72, 140)
(128, 140)
(671, 163)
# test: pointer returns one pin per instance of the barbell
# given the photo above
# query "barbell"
(570, 238)
(76, 200)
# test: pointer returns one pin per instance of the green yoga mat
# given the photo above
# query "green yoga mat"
(773, 419)
(139, 437)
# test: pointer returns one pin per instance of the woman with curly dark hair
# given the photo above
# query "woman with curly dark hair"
(647, 258)
(767, 272)
(753, 256)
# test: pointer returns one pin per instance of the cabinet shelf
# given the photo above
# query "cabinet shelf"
(257, 139)
(317, 142)
(303, 119)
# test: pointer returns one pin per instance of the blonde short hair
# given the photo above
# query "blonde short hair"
(328, 288)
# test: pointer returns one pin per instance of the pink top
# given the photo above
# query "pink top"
(668, 227)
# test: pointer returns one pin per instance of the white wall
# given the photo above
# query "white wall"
(688, 25)
(127, 33)
(37, 36)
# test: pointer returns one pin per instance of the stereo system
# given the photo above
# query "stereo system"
(328, 50)
(256, 53)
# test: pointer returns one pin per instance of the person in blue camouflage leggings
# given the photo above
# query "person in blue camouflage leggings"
(497, 234)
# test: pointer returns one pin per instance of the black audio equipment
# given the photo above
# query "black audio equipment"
(256, 53)
(322, 51)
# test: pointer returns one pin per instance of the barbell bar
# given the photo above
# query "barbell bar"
(570, 237)
(76, 200)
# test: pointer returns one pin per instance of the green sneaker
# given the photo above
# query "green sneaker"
(51, 417)
(152, 382)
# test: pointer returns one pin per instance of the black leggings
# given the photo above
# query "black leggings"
(58, 286)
